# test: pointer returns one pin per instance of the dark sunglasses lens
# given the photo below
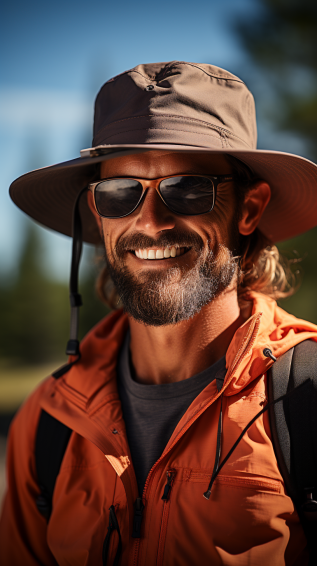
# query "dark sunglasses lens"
(117, 197)
(188, 195)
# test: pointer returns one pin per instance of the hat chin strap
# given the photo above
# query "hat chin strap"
(72, 348)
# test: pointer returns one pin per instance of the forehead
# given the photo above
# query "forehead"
(156, 164)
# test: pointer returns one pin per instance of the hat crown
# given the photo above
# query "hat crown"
(177, 106)
(176, 103)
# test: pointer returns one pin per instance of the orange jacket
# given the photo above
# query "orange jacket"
(248, 520)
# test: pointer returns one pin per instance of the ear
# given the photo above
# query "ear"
(255, 202)
(90, 201)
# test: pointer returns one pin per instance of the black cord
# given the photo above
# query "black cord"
(218, 453)
(72, 348)
(226, 458)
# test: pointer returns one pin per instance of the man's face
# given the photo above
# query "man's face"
(164, 290)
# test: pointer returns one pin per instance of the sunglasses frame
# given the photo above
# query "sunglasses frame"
(155, 183)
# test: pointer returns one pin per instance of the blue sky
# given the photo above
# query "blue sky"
(54, 56)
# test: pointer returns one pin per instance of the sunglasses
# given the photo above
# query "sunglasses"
(182, 194)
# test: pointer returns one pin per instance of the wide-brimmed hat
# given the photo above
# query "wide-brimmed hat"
(178, 106)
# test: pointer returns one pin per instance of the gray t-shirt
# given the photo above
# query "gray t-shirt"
(152, 412)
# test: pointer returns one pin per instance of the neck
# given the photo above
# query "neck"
(176, 352)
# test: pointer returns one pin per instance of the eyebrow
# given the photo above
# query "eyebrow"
(189, 172)
(195, 172)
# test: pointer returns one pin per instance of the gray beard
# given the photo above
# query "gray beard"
(160, 298)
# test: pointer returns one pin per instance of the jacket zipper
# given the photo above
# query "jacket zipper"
(243, 350)
(137, 523)
(137, 518)
(140, 499)
(170, 475)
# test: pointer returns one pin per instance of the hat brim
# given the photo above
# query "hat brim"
(48, 194)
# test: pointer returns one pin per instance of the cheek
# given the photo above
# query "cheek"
(223, 217)
(109, 234)
(112, 232)
(225, 206)
(216, 230)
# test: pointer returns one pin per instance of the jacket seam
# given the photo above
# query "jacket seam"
(82, 402)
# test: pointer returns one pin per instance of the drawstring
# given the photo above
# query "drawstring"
(113, 526)
(268, 354)
(216, 472)
(218, 453)
(217, 467)
(226, 458)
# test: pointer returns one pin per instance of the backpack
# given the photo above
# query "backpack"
(294, 431)
(293, 424)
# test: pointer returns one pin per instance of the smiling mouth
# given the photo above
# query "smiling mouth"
(160, 253)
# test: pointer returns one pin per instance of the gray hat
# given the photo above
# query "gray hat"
(179, 106)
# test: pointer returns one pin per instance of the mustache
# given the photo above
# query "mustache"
(178, 238)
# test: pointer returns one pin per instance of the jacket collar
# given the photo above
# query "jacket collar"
(92, 381)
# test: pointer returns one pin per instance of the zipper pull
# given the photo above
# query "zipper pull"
(170, 476)
(137, 519)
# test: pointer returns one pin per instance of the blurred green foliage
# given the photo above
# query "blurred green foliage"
(35, 308)
(279, 38)
(303, 250)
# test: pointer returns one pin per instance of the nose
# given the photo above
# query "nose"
(153, 215)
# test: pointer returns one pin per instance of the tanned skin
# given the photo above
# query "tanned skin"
(175, 352)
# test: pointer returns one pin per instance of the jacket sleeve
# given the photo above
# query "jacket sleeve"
(23, 530)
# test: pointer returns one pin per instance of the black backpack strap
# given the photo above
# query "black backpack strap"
(51, 442)
(294, 430)
(278, 381)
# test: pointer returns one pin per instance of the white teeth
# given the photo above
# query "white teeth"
(159, 254)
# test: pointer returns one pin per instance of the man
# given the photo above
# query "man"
(188, 211)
